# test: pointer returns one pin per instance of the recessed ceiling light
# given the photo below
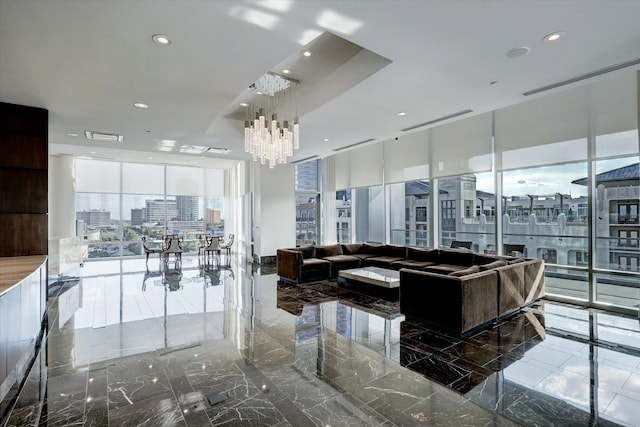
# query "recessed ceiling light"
(554, 36)
(258, 93)
(141, 105)
(307, 53)
(72, 134)
(517, 52)
(402, 113)
(244, 104)
(161, 39)
(326, 140)
(150, 158)
(93, 152)
(286, 71)
(494, 82)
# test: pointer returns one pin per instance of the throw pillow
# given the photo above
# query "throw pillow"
(470, 270)
(494, 264)
(376, 250)
(308, 252)
(328, 250)
(395, 251)
(418, 254)
(351, 248)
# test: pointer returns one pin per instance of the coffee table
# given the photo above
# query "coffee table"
(376, 279)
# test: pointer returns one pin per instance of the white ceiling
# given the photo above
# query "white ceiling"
(88, 62)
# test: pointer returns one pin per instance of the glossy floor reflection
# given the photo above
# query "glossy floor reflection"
(130, 345)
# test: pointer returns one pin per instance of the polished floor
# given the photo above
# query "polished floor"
(207, 346)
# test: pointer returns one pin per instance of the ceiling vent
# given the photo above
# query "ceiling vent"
(101, 136)
(218, 150)
(430, 122)
(584, 77)
(353, 145)
(306, 159)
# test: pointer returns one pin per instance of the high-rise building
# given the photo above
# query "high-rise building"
(156, 209)
(94, 217)
(138, 216)
(187, 208)
(214, 216)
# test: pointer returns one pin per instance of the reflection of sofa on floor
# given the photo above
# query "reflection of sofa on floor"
(457, 289)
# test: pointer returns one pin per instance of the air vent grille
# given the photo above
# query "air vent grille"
(353, 145)
(447, 117)
(218, 150)
(306, 159)
(584, 77)
(102, 136)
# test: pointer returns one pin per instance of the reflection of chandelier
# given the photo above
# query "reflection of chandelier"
(269, 140)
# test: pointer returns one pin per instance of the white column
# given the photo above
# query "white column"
(62, 197)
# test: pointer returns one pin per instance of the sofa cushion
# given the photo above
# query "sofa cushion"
(351, 248)
(444, 268)
(362, 257)
(307, 251)
(376, 250)
(315, 264)
(481, 259)
(342, 262)
(395, 251)
(495, 264)
(411, 264)
(328, 250)
(381, 261)
(419, 254)
(455, 257)
(465, 271)
(339, 259)
(314, 270)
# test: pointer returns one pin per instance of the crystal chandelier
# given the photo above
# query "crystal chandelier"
(270, 141)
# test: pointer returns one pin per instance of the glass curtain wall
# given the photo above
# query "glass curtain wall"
(115, 213)
(409, 213)
(467, 211)
(369, 214)
(343, 216)
(307, 186)
(555, 177)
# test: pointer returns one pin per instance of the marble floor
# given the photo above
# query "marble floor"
(207, 346)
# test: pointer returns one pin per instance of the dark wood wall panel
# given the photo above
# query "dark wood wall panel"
(23, 152)
(22, 120)
(23, 180)
(25, 191)
(24, 234)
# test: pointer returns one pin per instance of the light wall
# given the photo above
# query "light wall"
(275, 209)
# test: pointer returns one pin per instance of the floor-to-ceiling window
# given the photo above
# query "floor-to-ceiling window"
(467, 211)
(409, 213)
(307, 186)
(369, 214)
(119, 203)
(343, 216)
(555, 177)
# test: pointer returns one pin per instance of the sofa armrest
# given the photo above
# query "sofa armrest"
(534, 288)
(288, 264)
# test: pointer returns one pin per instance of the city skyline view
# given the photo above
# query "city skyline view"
(111, 203)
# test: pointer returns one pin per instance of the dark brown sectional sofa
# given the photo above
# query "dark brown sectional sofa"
(457, 289)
